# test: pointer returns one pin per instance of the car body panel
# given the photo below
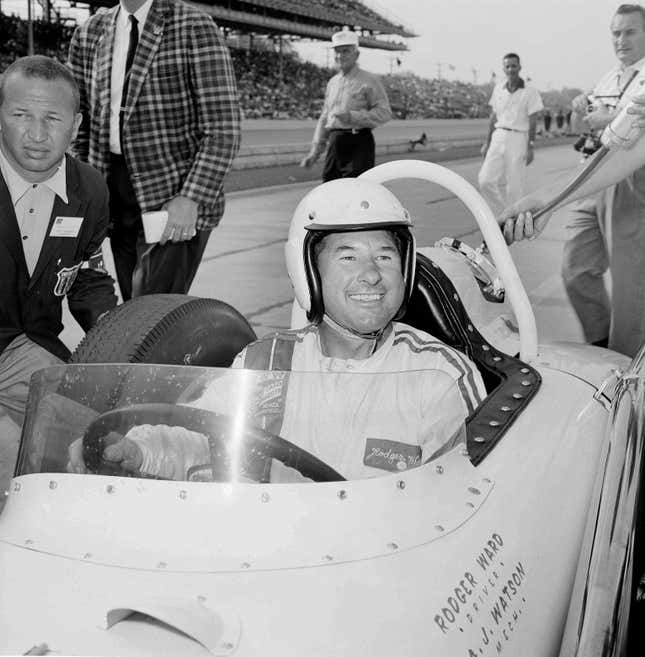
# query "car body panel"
(430, 567)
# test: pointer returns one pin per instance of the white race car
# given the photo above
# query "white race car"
(521, 542)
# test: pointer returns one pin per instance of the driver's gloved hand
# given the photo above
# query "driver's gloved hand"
(123, 451)
(75, 461)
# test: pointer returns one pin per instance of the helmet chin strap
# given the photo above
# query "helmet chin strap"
(348, 332)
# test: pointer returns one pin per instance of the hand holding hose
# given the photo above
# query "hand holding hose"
(523, 220)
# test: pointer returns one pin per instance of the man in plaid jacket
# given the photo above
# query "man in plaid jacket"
(161, 122)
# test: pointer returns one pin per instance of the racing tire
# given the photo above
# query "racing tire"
(167, 329)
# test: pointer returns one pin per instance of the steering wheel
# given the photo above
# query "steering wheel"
(491, 233)
(257, 444)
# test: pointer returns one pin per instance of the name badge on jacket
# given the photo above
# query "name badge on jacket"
(66, 227)
(391, 455)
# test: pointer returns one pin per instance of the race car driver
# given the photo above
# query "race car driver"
(351, 259)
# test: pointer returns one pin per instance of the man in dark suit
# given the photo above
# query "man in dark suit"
(161, 122)
(53, 220)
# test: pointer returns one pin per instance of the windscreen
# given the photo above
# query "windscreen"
(210, 424)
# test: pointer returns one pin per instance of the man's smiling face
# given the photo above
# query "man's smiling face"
(362, 281)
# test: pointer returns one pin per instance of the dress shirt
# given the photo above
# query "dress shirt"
(619, 80)
(33, 204)
(358, 92)
(119, 54)
(513, 109)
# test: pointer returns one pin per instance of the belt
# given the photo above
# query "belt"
(353, 131)
(501, 127)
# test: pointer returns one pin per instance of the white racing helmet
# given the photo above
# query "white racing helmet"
(343, 205)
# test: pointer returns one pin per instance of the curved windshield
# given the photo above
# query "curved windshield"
(212, 424)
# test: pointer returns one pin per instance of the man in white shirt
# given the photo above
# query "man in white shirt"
(351, 258)
(355, 103)
(508, 148)
(616, 212)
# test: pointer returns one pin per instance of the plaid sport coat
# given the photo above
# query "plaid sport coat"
(181, 126)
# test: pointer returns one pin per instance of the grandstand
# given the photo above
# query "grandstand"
(314, 19)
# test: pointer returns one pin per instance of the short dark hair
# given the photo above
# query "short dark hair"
(44, 68)
(631, 9)
(319, 238)
(511, 55)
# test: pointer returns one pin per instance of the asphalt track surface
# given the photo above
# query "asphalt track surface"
(292, 131)
(244, 261)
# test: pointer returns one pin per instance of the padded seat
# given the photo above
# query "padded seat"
(435, 307)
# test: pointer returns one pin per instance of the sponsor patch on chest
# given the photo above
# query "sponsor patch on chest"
(391, 455)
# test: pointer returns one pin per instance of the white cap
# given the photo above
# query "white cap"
(344, 38)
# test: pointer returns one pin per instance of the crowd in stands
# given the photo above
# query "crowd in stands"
(279, 86)
(295, 89)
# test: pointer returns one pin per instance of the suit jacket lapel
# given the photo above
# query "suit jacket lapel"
(149, 42)
(9, 232)
(52, 245)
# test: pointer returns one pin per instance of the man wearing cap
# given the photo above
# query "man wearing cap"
(355, 103)
(509, 144)
(351, 259)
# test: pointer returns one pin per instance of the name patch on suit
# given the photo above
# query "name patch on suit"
(65, 278)
(391, 455)
(66, 227)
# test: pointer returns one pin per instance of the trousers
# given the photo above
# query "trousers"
(18, 361)
(607, 232)
(143, 268)
(502, 177)
(348, 154)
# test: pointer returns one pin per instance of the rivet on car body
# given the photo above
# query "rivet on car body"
(486, 480)
(497, 358)
(479, 439)
(52, 485)
(245, 565)
(455, 297)
(517, 395)
(485, 347)
(162, 564)
(16, 487)
(110, 489)
(439, 528)
(183, 494)
(393, 546)
(525, 370)
(87, 555)
(400, 484)
(470, 327)
(506, 409)
(439, 469)
(201, 598)
(328, 557)
(29, 541)
(473, 490)
(470, 505)
(526, 383)
(494, 423)
(227, 646)
(265, 497)
(342, 494)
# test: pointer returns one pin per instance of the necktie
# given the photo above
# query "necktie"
(132, 48)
